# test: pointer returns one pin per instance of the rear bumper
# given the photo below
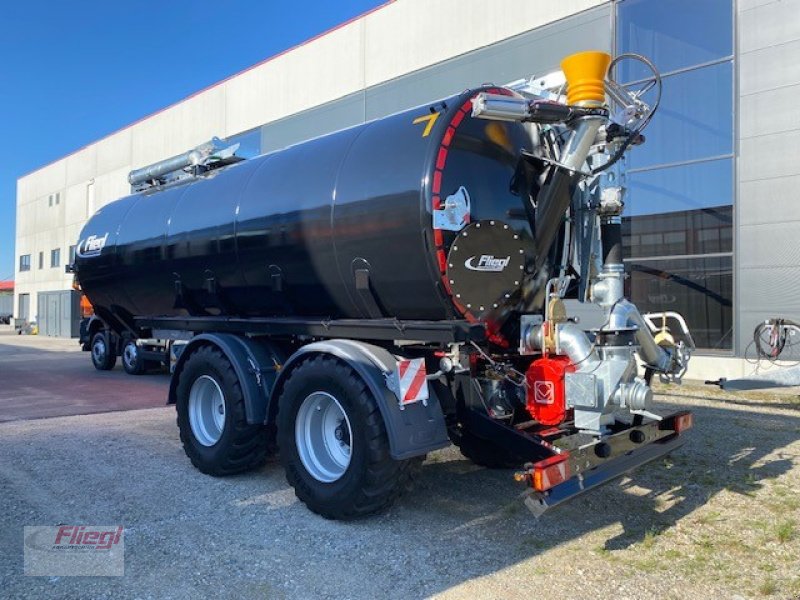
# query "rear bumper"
(624, 457)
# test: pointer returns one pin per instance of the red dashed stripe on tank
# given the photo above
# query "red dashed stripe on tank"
(436, 202)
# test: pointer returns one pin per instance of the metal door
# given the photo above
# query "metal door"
(24, 307)
(53, 315)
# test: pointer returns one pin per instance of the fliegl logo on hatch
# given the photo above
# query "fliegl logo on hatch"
(487, 262)
(91, 246)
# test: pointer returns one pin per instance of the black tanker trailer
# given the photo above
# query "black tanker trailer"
(363, 298)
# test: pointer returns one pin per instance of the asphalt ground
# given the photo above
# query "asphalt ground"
(718, 519)
(49, 377)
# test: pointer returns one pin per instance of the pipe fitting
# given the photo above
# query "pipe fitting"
(625, 314)
(634, 395)
(572, 341)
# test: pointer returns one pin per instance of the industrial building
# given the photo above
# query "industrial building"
(710, 219)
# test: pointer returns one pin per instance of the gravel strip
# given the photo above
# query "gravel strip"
(719, 519)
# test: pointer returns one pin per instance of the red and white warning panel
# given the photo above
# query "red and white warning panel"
(408, 381)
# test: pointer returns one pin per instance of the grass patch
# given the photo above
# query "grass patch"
(785, 531)
(649, 539)
(768, 587)
(602, 551)
(709, 518)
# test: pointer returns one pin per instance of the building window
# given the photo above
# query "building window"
(674, 34)
(50, 200)
(678, 223)
(41, 260)
(55, 257)
(72, 255)
(25, 262)
(58, 197)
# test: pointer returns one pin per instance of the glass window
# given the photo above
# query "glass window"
(698, 288)
(25, 262)
(72, 255)
(55, 257)
(673, 33)
(685, 187)
(694, 120)
(41, 260)
(706, 231)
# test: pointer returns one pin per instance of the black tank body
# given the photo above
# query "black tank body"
(341, 226)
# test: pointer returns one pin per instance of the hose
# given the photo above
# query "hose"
(644, 122)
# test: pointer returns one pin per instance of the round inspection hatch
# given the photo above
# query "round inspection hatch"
(485, 265)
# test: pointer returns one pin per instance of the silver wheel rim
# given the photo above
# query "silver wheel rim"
(324, 437)
(99, 350)
(129, 355)
(206, 410)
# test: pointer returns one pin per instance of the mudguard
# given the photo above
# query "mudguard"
(256, 363)
(412, 431)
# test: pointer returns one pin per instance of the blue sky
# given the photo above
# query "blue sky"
(73, 72)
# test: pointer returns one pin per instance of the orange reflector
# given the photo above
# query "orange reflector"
(550, 472)
(683, 422)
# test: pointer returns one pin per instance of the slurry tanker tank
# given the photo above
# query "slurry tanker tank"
(366, 297)
(356, 224)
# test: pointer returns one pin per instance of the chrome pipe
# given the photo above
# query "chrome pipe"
(574, 342)
(625, 314)
(576, 150)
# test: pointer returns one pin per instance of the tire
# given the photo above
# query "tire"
(371, 480)
(483, 452)
(216, 446)
(104, 357)
(131, 359)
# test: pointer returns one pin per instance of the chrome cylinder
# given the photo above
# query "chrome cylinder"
(576, 150)
(625, 314)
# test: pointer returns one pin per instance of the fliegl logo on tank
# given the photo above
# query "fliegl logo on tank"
(91, 246)
(488, 263)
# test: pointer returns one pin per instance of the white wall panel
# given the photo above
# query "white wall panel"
(75, 204)
(178, 128)
(409, 35)
(81, 165)
(770, 24)
(114, 151)
(327, 68)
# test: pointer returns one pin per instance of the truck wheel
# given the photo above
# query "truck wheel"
(333, 442)
(103, 355)
(483, 452)
(211, 417)
(132, 361)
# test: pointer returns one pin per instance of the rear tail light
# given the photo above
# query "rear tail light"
(683, 422)
(550, 472)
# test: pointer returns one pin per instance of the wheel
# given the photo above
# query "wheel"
(483, 452)
(211, 417)
(333, 442)
(131, 359)
(103, 355)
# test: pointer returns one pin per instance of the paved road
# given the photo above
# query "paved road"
(41, 377)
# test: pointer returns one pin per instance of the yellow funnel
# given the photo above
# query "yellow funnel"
(585, 72)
